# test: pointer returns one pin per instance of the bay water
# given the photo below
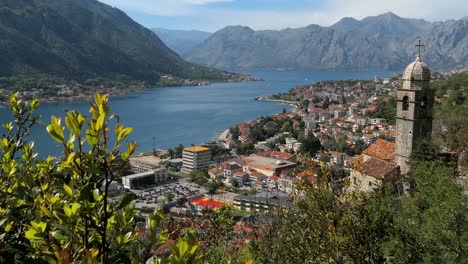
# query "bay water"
(168, 116)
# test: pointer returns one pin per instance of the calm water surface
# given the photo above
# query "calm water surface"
(190, 115)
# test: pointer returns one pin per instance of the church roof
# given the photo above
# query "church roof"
(381, 149)
(378, 168)
(417, 71)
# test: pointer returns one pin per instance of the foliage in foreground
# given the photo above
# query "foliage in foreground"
(427, 225)
(62, 212)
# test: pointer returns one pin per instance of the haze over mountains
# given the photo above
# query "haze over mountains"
(384, 42)
(181, 41)
(83, 39)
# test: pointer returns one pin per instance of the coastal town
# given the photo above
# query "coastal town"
(349, 127)
(233, 131)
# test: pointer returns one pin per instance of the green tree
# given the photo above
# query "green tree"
(328, 225)
(60, 212)
(431, 226)
(171, 153)
(310, 145)
(234, 182)
(178, 151)
(212, 187)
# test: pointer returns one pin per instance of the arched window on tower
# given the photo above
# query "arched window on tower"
(423, 102)
(405, 103)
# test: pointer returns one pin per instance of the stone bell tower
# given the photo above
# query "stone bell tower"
(415, 101)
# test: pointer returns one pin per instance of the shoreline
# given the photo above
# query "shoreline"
(267, 99)
(114, 91)
(225, 134)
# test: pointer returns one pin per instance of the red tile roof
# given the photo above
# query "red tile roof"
(381, 149)
(378, 168)
(282, 155)
(274, 178)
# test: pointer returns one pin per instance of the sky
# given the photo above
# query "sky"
(212, 15)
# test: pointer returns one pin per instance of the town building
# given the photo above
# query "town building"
(385, 160)
(262, 202)
(375, 164)
(196, 158)
(266, 166)
(144, 162)
(145, 179)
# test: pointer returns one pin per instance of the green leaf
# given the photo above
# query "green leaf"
(39, 226)
(67, 210)
(75, 207)
(59, 235)
(100, 122)
(124, 156)
(72, 123)
(45, 211)
(2, 221)
(124, 133)
(32, 234)
(68, 190)
(55, 132)
(91, 137)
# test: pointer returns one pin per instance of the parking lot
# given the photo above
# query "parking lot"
(154, 197)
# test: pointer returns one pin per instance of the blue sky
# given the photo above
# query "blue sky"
(211, 15)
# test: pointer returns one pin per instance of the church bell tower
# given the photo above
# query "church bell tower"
(415, 101)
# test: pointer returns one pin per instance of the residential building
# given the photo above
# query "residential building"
(262, 202)
(265, 165)
(196, 158)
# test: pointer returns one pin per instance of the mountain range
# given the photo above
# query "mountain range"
(84, 39)
(384, 42)
(181, 41)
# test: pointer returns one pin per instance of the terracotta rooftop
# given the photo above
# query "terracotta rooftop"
(281, 154)
(274, 178)
(381, 149)
(311, 177)
(196, 149)
(378, 168)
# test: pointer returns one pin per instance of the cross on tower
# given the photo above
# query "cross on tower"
(419, 45)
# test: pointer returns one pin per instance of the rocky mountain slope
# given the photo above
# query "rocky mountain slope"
(82, 39)
(181, 41)
(384, 42)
